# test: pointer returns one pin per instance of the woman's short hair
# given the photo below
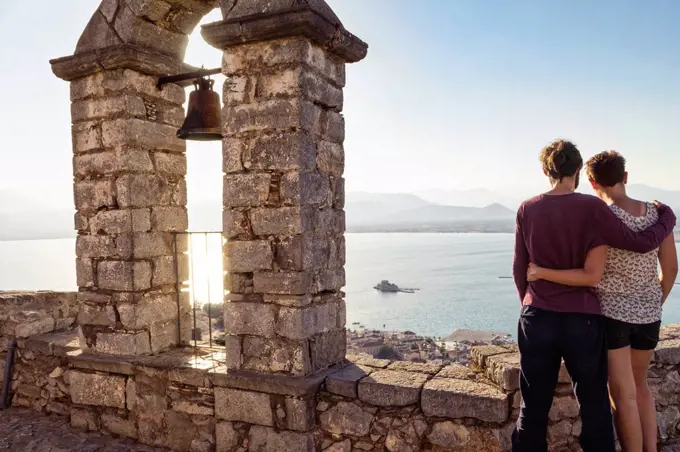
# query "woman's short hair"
(607, 168)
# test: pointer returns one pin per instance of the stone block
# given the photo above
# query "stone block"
(263, 439)
(91, 196)
(300, 414)
(112, 162)
(234, 223)
(233, 150)
(119, 425)
(668, 352)
(137, 31)
(124, 275)
(302, 252)
(96, 389)
(171, 163)
(306, 189)
(465, 437)
(123, 344)
(282, 221)
(331, 280)
(163, 271)
(480, 353)
(333, 127)
(152, 244)
(163, 335)
(328, 349)
(280, 151)
(84, 272)
(346, 418)
(423, 368)
(98, 314)
(457, 399)
(138, 132)
(169, 218)
(233, 349)
(303, 323)
(253, 57)
(272, 115)
(256, 319)
(84, 419)
(246, 190)
(456, 371)
(276, 356)
(86, 136)
(369, 362)
(89, 109)
(152, 10)
(503, 370)
(226, 437)
(141, 190)
(282, 283)
(563, 408)
(96, 246)
(345, 381)
(331, 221)
(111, 222)
(248, 256)
(330, 158)
(152, 308)
(391, 388)
(339, 193)
(243, 406)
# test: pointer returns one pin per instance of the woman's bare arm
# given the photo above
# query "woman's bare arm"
(668, 259)
(588, 276)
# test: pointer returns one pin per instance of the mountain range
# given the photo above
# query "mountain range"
(480, 210)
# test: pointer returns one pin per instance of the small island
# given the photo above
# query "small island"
(386, 286)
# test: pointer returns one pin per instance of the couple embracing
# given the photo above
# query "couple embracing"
(587, 275)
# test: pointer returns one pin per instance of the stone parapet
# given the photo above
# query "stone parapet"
(187, 400)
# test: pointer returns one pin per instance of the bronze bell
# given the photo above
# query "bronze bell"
(203, 121)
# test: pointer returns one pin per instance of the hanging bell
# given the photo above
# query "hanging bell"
(203, 121)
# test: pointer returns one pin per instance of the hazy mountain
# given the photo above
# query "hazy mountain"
(477, 197)
(455, 211)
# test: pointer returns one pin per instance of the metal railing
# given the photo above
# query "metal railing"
(200, 289)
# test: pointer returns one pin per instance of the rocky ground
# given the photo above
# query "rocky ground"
(27, 431)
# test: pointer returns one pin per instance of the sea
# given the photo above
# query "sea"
(463, 279)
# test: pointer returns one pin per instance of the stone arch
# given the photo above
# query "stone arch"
(283, 161)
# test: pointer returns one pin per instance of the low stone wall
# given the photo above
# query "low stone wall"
(24, 314)
(187, 400)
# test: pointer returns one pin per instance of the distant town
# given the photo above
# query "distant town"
(409, 346)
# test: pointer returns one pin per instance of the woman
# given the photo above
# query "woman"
(631, 293)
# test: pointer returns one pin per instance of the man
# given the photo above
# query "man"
(556, 230)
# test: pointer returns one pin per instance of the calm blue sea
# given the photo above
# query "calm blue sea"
(457, 274)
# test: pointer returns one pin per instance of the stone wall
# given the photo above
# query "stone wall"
(187, 400)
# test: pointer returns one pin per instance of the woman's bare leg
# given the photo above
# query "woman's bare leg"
(623, 393)
(640, 360)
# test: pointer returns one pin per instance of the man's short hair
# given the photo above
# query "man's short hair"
(560, 159)
(607, 168)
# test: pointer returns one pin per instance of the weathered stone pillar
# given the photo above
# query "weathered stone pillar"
(130, 195)
(283, 187)
(129, 172)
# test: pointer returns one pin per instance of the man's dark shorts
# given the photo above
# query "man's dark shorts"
(636, 336)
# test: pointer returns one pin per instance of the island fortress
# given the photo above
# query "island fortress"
(116, 355)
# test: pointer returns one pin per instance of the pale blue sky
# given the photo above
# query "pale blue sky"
(453, 93)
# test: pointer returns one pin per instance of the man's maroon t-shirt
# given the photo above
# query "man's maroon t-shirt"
(557, 231)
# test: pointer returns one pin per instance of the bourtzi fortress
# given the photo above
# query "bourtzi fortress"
(116, 356)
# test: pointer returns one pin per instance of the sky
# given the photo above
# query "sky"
(454, 94)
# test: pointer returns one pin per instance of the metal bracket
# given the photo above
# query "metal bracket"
(187, 76)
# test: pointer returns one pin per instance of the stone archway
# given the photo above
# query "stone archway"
(283, 161)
